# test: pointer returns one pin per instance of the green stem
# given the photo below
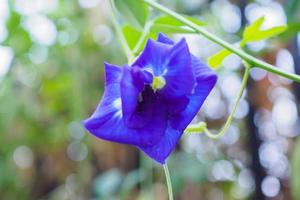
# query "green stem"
(236, 102)
(128, 52)
(202, 127)
(248, 58)
(142, 38)
(196, 128)
(169, 183)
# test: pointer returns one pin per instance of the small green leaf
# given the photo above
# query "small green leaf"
(134, 11)
(168, 24)
(215, 61)
(168, 20)
(196, 21)
(131, 35)
(253, 28)
(253, 33)
(295, 164)
(156, 28)
(268, 33)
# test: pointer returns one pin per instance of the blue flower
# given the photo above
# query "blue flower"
(150, 103)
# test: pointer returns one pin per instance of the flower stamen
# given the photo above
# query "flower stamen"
(158, 82)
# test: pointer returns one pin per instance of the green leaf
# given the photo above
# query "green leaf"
(18, 38)
(253, 33)
(168, 24)
(268, 33)
(253, 28)
(131, 35)
(134, 11)
(156, 28)
(295, 177)
(215, 61)
(168, 20)
(195, 21)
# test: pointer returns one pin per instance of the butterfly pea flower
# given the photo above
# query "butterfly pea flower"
(149, 103)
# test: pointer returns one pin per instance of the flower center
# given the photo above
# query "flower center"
(158, 82)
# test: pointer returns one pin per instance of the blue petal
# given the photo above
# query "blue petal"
(153, 57)
(107, 121)
(171, 62)
(206, 80)
(164, 39)
(141, 75)
(178, 74)
(112, 74)
(161, 150)
(178, 105)
(131, 87)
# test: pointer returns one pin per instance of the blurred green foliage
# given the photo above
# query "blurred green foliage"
(46, 89)
(295, 179)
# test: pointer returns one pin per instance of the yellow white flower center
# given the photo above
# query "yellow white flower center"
(158, 82)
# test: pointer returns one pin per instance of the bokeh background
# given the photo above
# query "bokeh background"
(51, 77)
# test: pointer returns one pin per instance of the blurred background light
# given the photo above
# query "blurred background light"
(3, 32)
(285, 61)
(214, 108)
(273, 12)
(274, 93)
(264, 2)
(23, 157)
(285, 116)
(107, 183)
(89, 3)
(232, 62)
(267, 131)
(76, 130)
(198, 44)
(223, 171)
(102, 34)
(269, 154)
(191, 144)
(257, 74)
(232, 135)
(25, 76)
(32, 7)
(6, 57)
(38, 54)
(232, 80)
(227, 12)
(4, 10)
(67, 33)
(41, 29)
(70, 184)
(246, 181)
(193, 4)
(241, 110)
(270, 186)
(257, 46)
(281, 169)
(77, 151)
